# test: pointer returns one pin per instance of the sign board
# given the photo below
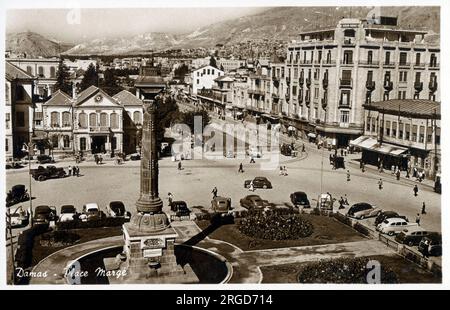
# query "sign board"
(152, 252)
(153, 243)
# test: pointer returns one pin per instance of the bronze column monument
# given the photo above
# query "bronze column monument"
(148, 253)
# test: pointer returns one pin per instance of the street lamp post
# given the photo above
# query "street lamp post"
(27, 148)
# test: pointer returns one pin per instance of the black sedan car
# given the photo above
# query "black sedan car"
(44, 214)
(387, 215)
(44, 159)
(253, 202)
(180, 208)
(258, 182)
(117, 209)
(300, 199)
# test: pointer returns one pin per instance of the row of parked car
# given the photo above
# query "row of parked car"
(44, 214)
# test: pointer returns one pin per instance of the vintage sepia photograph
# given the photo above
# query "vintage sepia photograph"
(248, 144)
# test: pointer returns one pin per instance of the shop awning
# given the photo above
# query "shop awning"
(371, 144)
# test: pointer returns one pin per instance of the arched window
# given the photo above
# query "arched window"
(137, 117)
(66, 119)
(114, 120)
(55, 141)
(54, 119)
(103, 119)
(66, 141)
(93, 119)
(82, 120)
(29, 70)
(52, 72)
(41, 71)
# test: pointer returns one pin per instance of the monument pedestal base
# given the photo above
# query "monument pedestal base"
(149, 258)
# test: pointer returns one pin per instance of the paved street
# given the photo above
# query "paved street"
(194, 183)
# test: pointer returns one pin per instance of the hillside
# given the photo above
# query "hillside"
(33, 45)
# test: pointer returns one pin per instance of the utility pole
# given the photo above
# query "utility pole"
(435, 144)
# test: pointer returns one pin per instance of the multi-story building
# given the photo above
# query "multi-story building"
(230, 64)
(19, 107)
(203, 78)
(43, 69)
(331, 73)
(404, 133)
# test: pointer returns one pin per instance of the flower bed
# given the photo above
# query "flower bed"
(275, 225)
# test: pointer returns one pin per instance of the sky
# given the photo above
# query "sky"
(76, 25)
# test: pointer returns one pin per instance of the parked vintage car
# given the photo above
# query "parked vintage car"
(258, 182)
(394, 226)
(325, 201)
(18, 216)
(135, 156)
(411, 236)
(254, 152)
(286, 149)
(14, 164)
(18, 193)
(43, 214)
(251, 202)
(180, 208)
(68, 213)
(431, 245)
(117, 209)
(362, 210)
(91, 212)
(384, 215)
(44, 159)
(300, 199)
(50, 172)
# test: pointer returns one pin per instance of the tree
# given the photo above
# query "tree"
(63, 79)
(90, 78)
(109, 84)
(212, 62)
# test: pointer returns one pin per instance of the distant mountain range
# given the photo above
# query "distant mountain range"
(280, 23)
(34, 45)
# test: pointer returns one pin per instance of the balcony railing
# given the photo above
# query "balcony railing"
(325, 83)
(345, 83)
(99, 128)
(419, 65)
(432, 85)
(329, 63)
(388, 64)
(343, 104)
(404, 64)
(347, 62)
(370, 85)
(374, 63)
(418, 86)
(308, 82)
(388, 85)
(433, 65)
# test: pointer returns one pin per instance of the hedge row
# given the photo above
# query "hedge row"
(104, 222)
(25, 241)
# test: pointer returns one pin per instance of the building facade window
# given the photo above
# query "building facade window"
(82, 120)
(55, 141)
(66, 119)
(388, 128)
(54, 119)
(394, 129)
(421, 134)
(66, 141)
(8, 120)
(103, 119)
(114, 120)
(403, 59)
(403, 76)
(400, 130)
(407, 132)
(414, 133)
(345, 117)
(137, 117)
(52, 72)
(93, 120)
(387, 58)
(41, 71)
(6, 145)
(83, 144)
(417, 59)
(369, 57)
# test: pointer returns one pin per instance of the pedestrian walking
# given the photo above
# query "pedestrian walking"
(74, 170)
(398, 175)
(70, 170)
(342, 152)
(78, 171)
(285, 171)
(214, 192)
(345, 200)
(341, 203)
(241, 168)
(170, 198)
(380, 184)
(252, 160)
(423, 208)
(281, 170)
(251, 187)
(348, 175)
(407, 173)
(415, 190)
(303, 148)
(418, 219)
(179, 165)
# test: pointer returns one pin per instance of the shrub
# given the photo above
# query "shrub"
(104, 222)
(59, 238)
(25, 241)
(343, 219)
(275, 225)
(342, 270)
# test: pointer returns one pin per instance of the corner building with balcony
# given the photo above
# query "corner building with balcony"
(332, 73)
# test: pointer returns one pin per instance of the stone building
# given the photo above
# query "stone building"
(333, 72)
